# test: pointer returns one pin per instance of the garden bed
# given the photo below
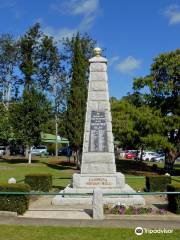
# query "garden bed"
(133, 210)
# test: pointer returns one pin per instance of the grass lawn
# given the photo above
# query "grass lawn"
(136, 182)
(62, 171)
(18, 168)
(54, 233)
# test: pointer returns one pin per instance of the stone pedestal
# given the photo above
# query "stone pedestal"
(98, 211)
(98, 169)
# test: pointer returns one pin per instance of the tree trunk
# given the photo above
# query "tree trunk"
(74, 156)
(56, 128)
(78, 157)
(7, 153)
(170, 158)
(142, 149)
(29, 156)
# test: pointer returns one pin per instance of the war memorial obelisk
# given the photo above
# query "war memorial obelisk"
(98, 167)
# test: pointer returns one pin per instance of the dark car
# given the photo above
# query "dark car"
(66, 151)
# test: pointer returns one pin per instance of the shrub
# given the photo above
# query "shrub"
(39, 182)
(174, 199)
(52, 148)
(14, 203)
(157, 183)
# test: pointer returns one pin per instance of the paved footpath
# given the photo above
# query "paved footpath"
(112, 223)
(42, 213)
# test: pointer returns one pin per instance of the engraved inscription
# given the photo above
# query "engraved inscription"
(99, 182)
(98, 132)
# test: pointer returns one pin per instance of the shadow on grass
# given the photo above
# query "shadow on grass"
(176, 172)
(60, 165)
(58, 188)
(132, 167)
(135, 167)
(18, 160)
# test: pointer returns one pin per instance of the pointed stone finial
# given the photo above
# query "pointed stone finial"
(97, 52)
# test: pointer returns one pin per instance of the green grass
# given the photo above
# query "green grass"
(62, 173)
(139, 182)
(19, 168)
(62, 233)
(136, 182)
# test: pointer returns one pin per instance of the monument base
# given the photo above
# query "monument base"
(109, 183)
(89, 181)
(86, 200)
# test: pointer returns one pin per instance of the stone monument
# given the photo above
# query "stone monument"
(98, 169)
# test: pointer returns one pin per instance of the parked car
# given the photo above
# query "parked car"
(148, 156)
(160, 158)
(135, 153)
(66, 151)
(17, 149)
(2, 150)
(40, 150)
(130, 154)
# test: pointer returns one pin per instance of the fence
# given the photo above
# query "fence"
(97, 196)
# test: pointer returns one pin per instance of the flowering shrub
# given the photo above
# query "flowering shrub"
(132, 210)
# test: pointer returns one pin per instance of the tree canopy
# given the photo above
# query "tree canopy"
(163, 84)
(27, 117)
(81, 49)
(137, 127)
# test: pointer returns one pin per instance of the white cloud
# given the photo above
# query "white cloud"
(58, 34)
(172, 12)
(86, 23)
(113, 60)
(128, 65)
(88, 9)
(76, 7)
(8, 3)
(14, 6)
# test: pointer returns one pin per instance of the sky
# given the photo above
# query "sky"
(133, 32)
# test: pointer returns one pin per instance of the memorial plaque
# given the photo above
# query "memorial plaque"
(98, 132)
(103, 182)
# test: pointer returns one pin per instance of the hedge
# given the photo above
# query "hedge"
(39, 182)
(174, 199)
(14, 203)
(157, 183)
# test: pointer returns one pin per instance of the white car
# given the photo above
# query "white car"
(160, 158)
(148, 156)
(2, 151)
(40, 150)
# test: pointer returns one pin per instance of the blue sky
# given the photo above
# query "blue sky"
(132, 31)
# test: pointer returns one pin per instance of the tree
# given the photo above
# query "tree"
(136, 99)
(8, 65)
(137, 127)
(39, 59)
(79, 52)
(164, 93)
(57, 84)
(41, 67)
(5, 130)
(28, 117)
